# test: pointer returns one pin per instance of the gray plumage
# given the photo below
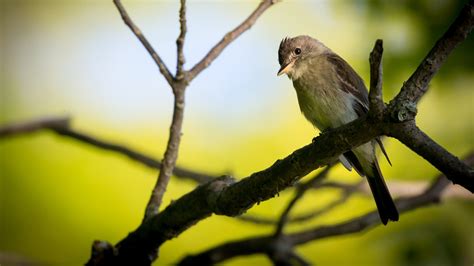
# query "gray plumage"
(330, 94)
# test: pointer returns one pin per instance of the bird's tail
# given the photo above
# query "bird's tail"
(383, 200)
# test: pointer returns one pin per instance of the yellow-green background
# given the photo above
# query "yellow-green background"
(77, 58)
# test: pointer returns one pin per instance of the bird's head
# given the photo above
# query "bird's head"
(295, 50)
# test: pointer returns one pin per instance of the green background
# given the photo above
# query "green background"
(77, 58)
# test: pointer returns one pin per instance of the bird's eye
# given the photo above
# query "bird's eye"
(297, 51)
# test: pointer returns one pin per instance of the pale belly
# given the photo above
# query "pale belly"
(325, 108)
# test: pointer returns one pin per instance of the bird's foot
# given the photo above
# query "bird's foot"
(323, 132)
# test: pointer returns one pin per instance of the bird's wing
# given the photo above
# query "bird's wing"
(352, 83)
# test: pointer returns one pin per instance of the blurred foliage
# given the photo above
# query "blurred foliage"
(77, 58)
(431, 17)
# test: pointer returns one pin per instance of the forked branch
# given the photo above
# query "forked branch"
(158, 61)
(229, 38)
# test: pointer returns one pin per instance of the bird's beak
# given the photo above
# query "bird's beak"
(285, 68)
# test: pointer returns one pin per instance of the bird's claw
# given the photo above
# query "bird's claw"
(323, 132)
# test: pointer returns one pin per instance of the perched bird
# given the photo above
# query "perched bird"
(330, 94)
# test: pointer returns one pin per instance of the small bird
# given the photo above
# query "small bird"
(330, 94)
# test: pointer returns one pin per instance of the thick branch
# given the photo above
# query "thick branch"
(403, 106)
(228, 38)
(457, 171)
(397, 189)
(234, 199)
(61, 126)
(159, 62)
(141, 245)
(266, 244)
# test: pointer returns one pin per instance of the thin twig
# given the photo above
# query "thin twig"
(180, 40)
(298, 195)
(159, 62)
(376, 71)
(229, 37)
(61, 126)
(346, 193)
(282, 254)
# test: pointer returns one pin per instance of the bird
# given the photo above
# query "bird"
(330, 94)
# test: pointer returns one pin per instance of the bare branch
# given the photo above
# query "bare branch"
(287, 257)
(375, 94)
(180, 40)
(266, 244)
(229, 37)
(430, 196)
(233, 199)
(397, 189)
(229, 250)
(298, 195)
(35, 125)
(61, 126)
(140, 246)
(457, 171)
(159, 62)
(403, 106)
(346, 192)
(170, 157)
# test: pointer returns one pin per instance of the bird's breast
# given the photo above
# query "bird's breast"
(324, 105)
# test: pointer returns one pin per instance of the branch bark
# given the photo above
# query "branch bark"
(267, 244)
(158, 61)
(457, 171)
(170, 157)
(298, 195)
(180, 41)
(375, 94)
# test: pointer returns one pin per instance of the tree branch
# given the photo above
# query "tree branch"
(233, 199)
(397, 189)
(159, 62)
(298, 195)
(457, 171)
(223, 197)
(170, 157)
(180, 40)
(179, 85)
(266, 244)
(375, 94)
(35, 125)
(61, 126)
(228, 38)
(403, 106)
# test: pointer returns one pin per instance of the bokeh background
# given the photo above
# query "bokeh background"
(77, 58)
